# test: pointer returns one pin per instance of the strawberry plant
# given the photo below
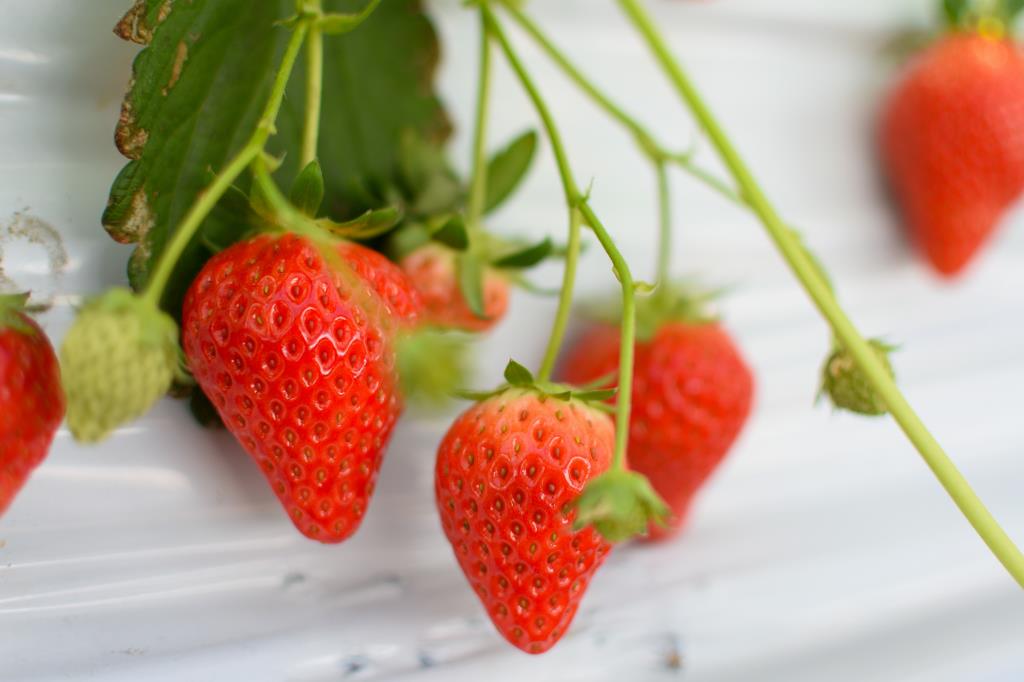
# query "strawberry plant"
(307, 316)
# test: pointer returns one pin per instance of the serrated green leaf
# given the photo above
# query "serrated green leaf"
(378, 88)
(308, 189)
(372, 223)
(198, 90)
(453, 234)
(526, 257)
(471, 281)
(517, 375)
(508, 168)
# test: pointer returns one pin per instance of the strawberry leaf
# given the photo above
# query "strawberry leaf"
(508, 168)
(197, 91)
(308, 189)
(527, 257)
(471, 281)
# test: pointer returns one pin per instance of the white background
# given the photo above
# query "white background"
(823, 549)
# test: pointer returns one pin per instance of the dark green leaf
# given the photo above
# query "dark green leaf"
(378, 89)
(372, 223)
(199, 88)
(517, 375)
(453, 234)
(427, 179)
(508, 168)
(308, 189)
(955, 11)
(526, 257)
(471, 281)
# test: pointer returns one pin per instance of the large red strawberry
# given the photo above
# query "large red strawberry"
(31, 399)
(952, 146)
(508, 473)
(297, 354)
(692, 392)
(432, 270)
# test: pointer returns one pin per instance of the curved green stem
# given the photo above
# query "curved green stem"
(212, 194)
(820, 293)
(314, 90)
(478, 186)
(664, 272)
(578, 202)
(565, 296)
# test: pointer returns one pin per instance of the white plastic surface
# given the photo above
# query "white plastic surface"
(824, 549)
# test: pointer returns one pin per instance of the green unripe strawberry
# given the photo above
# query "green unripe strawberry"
(118, 359)
(847, 386)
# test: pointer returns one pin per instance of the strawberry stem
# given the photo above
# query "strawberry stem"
(818, 289)
(314, 86)
(577, 201)
(478, 184)
(565, 296)
(664, 271)
(208, 199)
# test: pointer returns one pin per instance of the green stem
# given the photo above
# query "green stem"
(664, 229)
(212, 194)
(314, 89)
(565, 296)
(478, 186)
(577, 201)
(818, 289)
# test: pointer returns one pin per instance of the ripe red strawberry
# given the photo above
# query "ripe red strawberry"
(508, 471)
(297, 355)
(692, 393)
(31, 398)
(952, 147)
(432, 269)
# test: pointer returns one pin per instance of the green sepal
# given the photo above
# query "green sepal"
(526, 257)
(372, 223)
(12, 313)
(307, 192)
(507, 168)
(956, 12)
(620, 505)
(452, 233)
(470, 271)
(517, 374)
(846, 385)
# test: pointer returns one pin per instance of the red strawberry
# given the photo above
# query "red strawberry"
(692, 393)
(508, 472)
(432, 269)
(31, 398)
(297, 355)
(952, 147)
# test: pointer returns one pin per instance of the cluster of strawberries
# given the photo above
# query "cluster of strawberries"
(298, 351)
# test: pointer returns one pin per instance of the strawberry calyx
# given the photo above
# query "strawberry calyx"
(989, 19)
(432, 365)
(518, 377)
(12, 313)
(668, 302)
(620, 505)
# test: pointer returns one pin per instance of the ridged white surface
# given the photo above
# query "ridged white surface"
(823, 550)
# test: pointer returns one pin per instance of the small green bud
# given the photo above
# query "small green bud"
(847, 387)
(118, 359)
(620, 505)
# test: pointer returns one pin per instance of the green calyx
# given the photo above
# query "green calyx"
(620, 505)
(668, 302)
(12, 313)
(846, 385)
(120, 357)
(432, 365)
(992, 18)
(518, 377)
